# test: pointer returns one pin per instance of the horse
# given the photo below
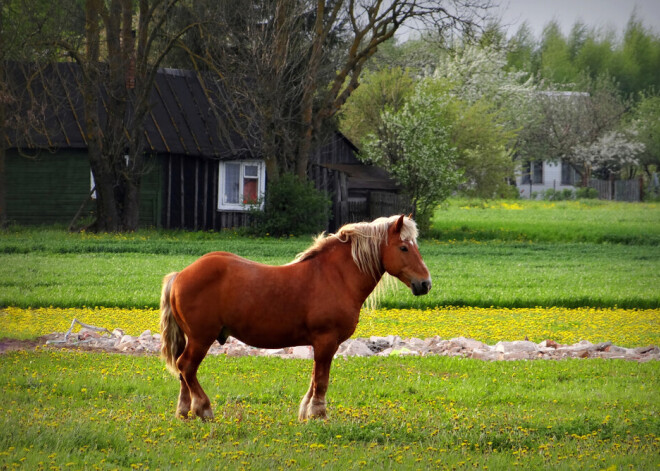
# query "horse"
(314, 300)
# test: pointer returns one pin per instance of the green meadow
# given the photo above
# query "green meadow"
(75, 410)
(517, 254)
(493, 262)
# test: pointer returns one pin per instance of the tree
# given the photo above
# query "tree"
(414, 145)
(645, 122)
(384, 89)
(296, 62)
(580, 128)
(492, 105)
(119, 63)
(484, 146)
(556, 63)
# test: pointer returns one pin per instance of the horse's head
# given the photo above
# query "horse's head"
(401, 257)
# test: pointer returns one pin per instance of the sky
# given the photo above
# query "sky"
(594, 13)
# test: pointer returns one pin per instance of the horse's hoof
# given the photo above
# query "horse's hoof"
(206, 414)
(183, 415)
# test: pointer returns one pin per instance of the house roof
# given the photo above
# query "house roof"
(184, 117)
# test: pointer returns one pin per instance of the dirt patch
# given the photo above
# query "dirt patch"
(10, 345)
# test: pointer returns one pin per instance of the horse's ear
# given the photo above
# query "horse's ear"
(399, 224)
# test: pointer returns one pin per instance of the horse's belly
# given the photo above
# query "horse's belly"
(267, 336)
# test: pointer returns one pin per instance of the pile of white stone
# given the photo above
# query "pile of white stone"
(148, 343)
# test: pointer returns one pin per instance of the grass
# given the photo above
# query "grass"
(70, 410)
(562, 271)
(48, 267)
(581, 221)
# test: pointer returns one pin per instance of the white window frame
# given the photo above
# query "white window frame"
(223, 205)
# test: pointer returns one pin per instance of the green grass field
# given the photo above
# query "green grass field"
(68, 410)
(539, 255)
(492, 262)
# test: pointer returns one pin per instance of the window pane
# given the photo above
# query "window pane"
(232, 181)
(250, 187)
(537, 171)
(251, 170)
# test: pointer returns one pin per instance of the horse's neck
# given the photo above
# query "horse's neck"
(342, 263)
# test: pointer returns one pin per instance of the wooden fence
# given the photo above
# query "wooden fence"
(378, 204)
(618, 190)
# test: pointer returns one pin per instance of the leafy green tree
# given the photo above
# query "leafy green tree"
(384, 89)
(484, 152)
(521, 50)
(492, 104)
(645, 120)
(556, 63)
(414, 145)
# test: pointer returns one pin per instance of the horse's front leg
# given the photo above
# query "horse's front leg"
(183, 407)
(313, 403)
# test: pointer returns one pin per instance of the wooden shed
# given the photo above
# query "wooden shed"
(198, 168)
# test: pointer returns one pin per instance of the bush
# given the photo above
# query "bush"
(291, 207)
(552, 195)
(586, 192)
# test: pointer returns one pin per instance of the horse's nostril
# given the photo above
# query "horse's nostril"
(421, 287)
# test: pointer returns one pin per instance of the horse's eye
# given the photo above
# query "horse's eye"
(403, 248)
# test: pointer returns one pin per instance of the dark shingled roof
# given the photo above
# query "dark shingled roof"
(185, 116)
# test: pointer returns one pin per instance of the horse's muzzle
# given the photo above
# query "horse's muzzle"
(421, 287)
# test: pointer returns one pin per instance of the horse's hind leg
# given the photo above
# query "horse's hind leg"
(188, 363)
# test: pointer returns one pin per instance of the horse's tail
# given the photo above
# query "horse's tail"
(172, 339)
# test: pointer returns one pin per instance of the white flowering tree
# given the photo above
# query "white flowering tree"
(610, 153)
(479, 74)
(414, 145)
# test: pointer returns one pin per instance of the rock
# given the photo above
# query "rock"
(516, 346)
(518, 355)
(466, 344)
(548, 344)
(354, 347)
(127, 339)
(302, 352)
(438, 346)
(87, 334)
(600, 347)
(119, 333)
(646, 350)
(487, 355)
(378, 344)
(416, 345)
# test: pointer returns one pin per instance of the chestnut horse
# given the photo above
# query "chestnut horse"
(314, 300)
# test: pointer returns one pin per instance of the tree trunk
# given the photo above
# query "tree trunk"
(131, 209)
(3, 188)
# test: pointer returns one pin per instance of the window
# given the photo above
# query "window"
(240, 183)
(532, 172)
(568, 174)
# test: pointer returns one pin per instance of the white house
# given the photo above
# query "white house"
(539, 176)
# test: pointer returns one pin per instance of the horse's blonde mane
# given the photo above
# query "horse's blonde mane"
(365, 239)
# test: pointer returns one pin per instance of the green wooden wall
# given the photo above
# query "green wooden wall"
(50, 188)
